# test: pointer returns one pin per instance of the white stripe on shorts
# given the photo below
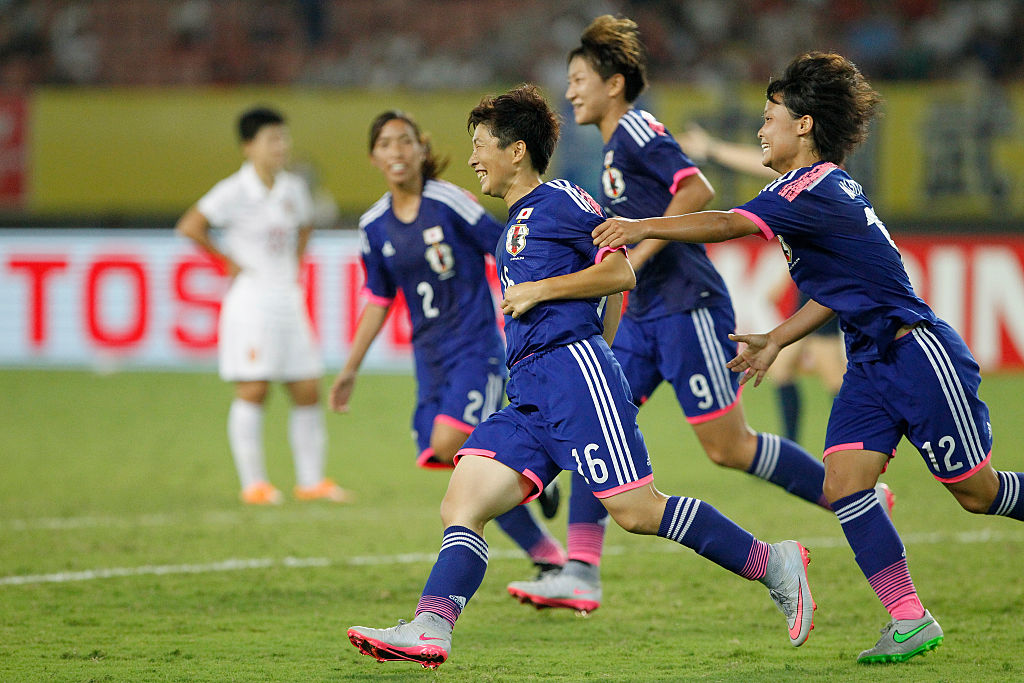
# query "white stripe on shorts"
(956, 398)
(714, 357)
(604, 408)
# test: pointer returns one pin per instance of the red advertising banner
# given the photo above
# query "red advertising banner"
(149, 299)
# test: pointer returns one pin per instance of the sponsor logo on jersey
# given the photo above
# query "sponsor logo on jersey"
(613, 182)
(433, 235)
(441, 260)
(387, 249)
(515, 239)
(524, 214)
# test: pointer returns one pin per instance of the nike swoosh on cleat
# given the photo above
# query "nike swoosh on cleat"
(577, 591)
(794, 632)
(904, 637)
(424, 636)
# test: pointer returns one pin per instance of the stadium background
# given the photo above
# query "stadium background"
(118, 114)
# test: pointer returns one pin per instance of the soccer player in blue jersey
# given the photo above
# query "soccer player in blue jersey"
(428, 238)
(678, 319)
(908, 372)
(570, 405)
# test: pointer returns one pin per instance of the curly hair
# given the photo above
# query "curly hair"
(433, 165)
(831, 90)
(520, 114)
(612, 46)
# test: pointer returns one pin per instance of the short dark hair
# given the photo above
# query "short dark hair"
(612, 46)
(433, 165)
(830, 89)
(250, 122)
(520, 114)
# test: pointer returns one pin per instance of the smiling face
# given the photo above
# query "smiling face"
(587, 92)
(399, 154)
(784, 138)
(493, 165)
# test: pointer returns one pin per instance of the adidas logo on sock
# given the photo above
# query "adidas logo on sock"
(458, 600)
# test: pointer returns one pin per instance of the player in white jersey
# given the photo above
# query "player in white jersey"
(264, 331)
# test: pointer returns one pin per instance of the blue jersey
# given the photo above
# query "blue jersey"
(548, 234)
(840, 254)
(437, 261)
(643, 166)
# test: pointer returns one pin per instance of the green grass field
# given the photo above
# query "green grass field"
(124, 555)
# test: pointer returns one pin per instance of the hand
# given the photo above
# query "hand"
(341, 391)
(616, 232)
(520, 298)
(755, 358)
(696, 143)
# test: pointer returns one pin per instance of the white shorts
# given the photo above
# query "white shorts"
(265, 334)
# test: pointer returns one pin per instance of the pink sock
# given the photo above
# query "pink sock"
(909, 607)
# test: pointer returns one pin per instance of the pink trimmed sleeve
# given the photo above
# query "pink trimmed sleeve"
(604, 251)
(681, 175)
(374, 299)
(766, 232)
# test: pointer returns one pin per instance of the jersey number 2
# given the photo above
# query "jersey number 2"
(427, 292)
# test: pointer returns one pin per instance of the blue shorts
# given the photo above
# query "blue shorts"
(689, 350)
(461, 391)
(570, 410)
(926, 388)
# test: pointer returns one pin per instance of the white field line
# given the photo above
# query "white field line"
(236, 564)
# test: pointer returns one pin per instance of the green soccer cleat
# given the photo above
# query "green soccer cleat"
(903, 638)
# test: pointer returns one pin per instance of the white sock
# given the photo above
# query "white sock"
(245, 434)
(307, 433)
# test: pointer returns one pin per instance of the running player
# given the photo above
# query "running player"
(428, 238)
(570, 405)
(264, 330)
(908, 372)
(678, 318)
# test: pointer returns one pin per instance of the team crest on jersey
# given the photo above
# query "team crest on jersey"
(613, 182)
(788, 251)
(441, 260)
(433, 235)
(439, 255)
(515, 239)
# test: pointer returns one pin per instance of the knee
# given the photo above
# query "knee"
(972, 502)
(733, 453)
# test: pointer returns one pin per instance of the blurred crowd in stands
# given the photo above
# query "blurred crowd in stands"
(428, 44)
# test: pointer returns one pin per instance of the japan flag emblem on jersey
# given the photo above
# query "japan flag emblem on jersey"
(515, 239)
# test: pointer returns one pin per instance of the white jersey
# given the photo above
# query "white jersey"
(264, 330)
(260, 224)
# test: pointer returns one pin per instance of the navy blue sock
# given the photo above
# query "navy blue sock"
(789, 405)
(1009, 502)
(712, 535)
(879, 551)
(456, 575)
(588, 520)
(786, 464)
(523, 528)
